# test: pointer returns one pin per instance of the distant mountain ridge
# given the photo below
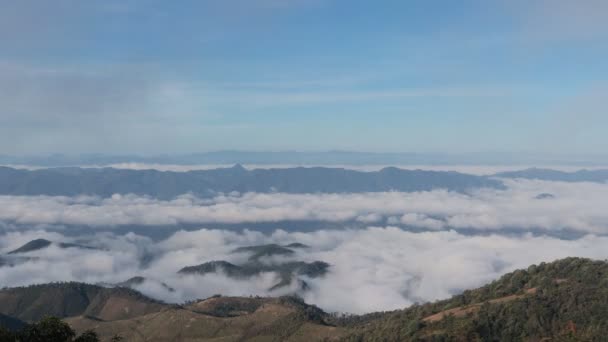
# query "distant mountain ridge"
(260, 251)
(105, 182)
(596, 176)
(39, 244)
(335, 157)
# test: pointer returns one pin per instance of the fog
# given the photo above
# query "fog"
(579, 207)
(376, 268)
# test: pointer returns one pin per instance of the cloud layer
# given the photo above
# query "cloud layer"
(577, 207)
(394, 249)
(377, 268)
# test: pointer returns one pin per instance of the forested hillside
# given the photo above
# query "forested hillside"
(560, 301)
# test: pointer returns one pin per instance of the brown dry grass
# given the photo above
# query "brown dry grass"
(463, 311)
(183, 324)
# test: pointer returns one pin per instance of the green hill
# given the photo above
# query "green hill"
(559, 301)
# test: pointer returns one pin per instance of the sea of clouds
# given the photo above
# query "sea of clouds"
(580, 207)
(376, 268)
(462, 241)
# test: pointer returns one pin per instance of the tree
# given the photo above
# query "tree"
(117, 338)
(87, 336)
(48, 329)
(6, 335)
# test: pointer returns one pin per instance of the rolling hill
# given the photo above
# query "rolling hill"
(62, 300)
(596, 176)
(222, 319)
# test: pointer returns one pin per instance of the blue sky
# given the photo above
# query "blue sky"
(399, 76)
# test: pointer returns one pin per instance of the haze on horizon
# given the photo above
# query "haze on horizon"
(150, 77)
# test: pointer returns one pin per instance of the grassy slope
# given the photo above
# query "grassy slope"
(261, 319)
(72, 299)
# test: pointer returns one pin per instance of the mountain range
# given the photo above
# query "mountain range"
(105, 182)
(228, 157)
(596, 176)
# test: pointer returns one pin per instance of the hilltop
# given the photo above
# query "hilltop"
(38, 244)
(222, 319)
(70, 299)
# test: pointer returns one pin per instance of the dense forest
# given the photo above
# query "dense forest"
(560, 301)
(50, 329)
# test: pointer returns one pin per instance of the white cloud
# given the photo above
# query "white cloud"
(575, 207)
(374, 268)
(422, 221)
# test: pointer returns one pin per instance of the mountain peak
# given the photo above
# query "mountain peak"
(33, 245)
(39, 244)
